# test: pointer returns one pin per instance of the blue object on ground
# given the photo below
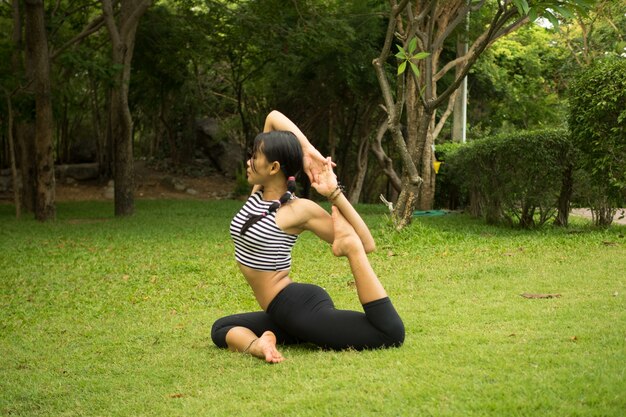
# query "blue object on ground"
(428, 213)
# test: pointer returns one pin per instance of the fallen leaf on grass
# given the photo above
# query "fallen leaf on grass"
(520, 249)
(528, 295)
(574, 339)
(177, 395)
(607, 243)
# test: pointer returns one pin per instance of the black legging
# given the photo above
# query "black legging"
(305, 313)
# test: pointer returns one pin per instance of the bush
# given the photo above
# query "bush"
(516, 178)
(448, 194)
(597, 123)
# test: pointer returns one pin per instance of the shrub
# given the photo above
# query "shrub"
(597, 123)
(515, 178)
(448, 194)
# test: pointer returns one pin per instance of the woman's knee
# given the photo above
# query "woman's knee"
(395, 333)
(219, 330)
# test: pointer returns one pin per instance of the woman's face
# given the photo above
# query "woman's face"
(258, 167)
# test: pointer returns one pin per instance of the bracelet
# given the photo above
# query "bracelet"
(250, 345)
(336, 192)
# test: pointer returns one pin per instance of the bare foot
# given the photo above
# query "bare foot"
(265, 348)
(346, 240)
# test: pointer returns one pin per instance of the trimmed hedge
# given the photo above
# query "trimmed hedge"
(517, 178)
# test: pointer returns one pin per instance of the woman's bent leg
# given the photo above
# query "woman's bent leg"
(307, 312)
(253, 333)
(348, 244)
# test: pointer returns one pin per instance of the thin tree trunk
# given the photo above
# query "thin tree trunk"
(361, 170)
(17, 191)
(16, 65)
(25, 135)
(122, 34)
(567, 189)
(385, 162)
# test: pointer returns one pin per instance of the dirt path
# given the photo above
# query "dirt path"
(150, 184)
(620, 216)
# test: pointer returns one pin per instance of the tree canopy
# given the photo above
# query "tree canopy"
(233, 61)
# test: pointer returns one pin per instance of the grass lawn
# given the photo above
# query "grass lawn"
(111, 317)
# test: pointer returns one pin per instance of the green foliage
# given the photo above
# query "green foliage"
(597, 122)
(553, 11)
(409, 57)
(516, 178)
(448, 195)
(517, 84)
(111, 317)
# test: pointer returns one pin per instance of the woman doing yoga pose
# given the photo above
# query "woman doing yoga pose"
(265, 230)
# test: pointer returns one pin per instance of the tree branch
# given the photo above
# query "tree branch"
(446, 114)
(385, 162)
(500, 18)
(460, 16)
(91, 28)
(511, 28)
(109, 18)
(131, 21)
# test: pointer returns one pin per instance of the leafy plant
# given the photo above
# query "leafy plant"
(409, 56)
(597, 122)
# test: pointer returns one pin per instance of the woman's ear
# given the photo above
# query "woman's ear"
(275, 168)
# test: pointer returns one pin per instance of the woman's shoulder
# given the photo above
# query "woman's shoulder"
(300, 202)
(302, 209)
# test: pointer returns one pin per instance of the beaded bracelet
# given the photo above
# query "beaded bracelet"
(336, 192)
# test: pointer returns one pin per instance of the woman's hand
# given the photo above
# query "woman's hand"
(314, 163)
(325, 181)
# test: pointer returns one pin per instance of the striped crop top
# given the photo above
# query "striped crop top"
(264, 246)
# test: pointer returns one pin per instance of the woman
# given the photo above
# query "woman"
(265, 230)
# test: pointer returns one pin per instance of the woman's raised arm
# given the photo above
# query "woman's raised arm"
(313, 160)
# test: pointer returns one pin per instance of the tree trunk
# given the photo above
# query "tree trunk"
(25, 140)
(385, 162)
(123, 175)
(122, 33)
(99, 130)
(16, 184)
(567, 188)
(37, 44)
(361, 170)
(407, 201)
(427, 191)
(13, 130)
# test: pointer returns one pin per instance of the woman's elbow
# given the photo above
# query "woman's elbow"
(273, 116)
(370, 247)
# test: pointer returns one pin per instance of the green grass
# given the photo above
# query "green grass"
(111, 317)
